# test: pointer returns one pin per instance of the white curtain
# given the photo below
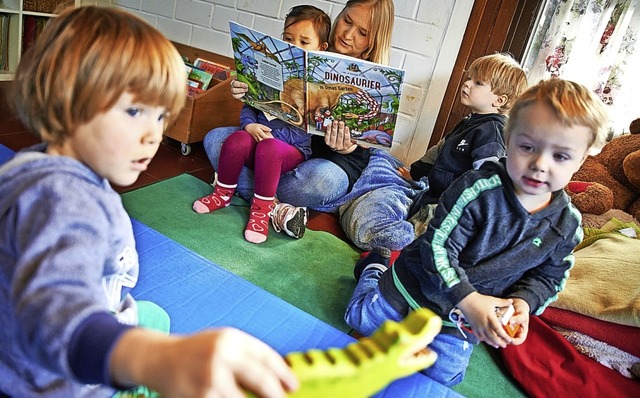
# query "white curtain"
(593, 42)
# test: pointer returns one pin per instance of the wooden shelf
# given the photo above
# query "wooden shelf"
(213, 108)
(13, 45)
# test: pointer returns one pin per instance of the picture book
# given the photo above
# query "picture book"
(220, 72)
(200, 77)
(193, 91)
(311, 89)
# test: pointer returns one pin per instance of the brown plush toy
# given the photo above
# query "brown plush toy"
(615, 177)
(590, 197)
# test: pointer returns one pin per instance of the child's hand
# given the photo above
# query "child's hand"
(258, 131)
(480, 311)
(220, 362)
(404, 173)
(520, 318)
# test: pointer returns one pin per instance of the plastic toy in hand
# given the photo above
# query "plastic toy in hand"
(363, 368)
(505, 314)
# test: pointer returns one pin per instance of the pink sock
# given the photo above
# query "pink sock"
(221, 197)
(258, 225)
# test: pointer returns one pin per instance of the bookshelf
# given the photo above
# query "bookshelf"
(20, 23)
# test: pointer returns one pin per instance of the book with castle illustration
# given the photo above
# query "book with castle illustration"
(310, 89)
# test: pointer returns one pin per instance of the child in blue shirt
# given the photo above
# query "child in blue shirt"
(99, 87)
(254, 145)
(501, 235)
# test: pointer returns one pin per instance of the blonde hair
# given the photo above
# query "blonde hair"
(85, 59)
(381, 22)
(503, 73)
(572, 103)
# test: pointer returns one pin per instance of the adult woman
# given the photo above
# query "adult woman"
(363, 30)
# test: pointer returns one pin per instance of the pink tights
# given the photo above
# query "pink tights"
(268, 158)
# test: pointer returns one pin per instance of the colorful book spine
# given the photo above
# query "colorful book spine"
(200, 76)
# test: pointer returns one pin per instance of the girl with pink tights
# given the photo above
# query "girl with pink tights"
(269, 147)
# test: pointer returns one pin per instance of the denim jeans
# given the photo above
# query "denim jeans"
(313, 183)
(378, 218)
(368, 309)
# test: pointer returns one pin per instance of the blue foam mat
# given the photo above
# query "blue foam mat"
(5, 153)
(198, 294)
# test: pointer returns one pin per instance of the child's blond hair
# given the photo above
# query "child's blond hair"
(85, 59)
(571, 102)
(503, 73)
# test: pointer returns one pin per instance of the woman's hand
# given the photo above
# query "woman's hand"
(338, 138)
(238, 89)
(258, 131)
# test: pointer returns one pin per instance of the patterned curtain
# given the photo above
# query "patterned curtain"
(593, 42)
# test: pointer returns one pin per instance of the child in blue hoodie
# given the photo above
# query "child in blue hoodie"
(99, 87)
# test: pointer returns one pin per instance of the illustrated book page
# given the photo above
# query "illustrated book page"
(364, 95)
(311, 89)
(265, 63)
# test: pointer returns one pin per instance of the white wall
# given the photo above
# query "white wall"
(426, 38)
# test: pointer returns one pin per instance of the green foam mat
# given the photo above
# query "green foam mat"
(314, 273)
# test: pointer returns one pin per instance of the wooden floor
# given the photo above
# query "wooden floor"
(168, 162)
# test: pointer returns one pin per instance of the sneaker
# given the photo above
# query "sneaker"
(380, 255)
(290, 219)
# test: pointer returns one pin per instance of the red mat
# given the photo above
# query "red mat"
(626, 338)
(328, 222)
(547, 365)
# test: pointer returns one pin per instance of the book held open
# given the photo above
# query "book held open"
(309, 89)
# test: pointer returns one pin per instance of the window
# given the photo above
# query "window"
(592, 42)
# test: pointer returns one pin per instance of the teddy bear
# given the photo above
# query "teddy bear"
(610, 179)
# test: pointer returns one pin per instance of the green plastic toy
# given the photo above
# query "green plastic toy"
(363, 368)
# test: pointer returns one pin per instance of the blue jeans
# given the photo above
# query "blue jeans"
(368, 309)
(313, 183)
(378, 218)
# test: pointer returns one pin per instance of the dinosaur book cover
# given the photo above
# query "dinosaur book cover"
(311, 89)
